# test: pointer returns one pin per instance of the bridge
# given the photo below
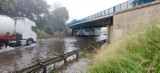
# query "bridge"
(108, 18)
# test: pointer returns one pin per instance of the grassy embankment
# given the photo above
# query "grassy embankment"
(138, 52)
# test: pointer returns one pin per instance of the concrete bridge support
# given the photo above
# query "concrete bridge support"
(130, 20)
(110, 33)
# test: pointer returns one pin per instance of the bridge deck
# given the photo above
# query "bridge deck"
(105, 14)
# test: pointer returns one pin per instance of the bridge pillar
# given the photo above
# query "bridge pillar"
(110, 33)
(72, 32)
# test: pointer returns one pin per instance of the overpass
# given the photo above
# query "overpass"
(104, 17)
(107, 18)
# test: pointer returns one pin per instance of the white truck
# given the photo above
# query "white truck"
(16, 31)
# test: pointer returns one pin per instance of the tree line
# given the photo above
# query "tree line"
(38, 11)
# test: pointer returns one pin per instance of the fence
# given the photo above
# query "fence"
(49, 65)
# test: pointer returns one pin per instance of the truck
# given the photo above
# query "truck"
(16, 31)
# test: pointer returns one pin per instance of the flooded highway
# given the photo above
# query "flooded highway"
(15, 59)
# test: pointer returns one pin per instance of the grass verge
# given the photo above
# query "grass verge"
(138, 52)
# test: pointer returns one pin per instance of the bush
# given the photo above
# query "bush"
(49, 30)
(41, 32)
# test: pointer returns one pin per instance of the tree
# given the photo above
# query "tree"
(56, 20)
(26, 8)
(40, 22)
(6, 7)
(60, 16)
(49, 30)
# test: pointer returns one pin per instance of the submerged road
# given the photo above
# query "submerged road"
(13, 59)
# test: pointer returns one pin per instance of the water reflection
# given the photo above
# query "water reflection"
(70, 45)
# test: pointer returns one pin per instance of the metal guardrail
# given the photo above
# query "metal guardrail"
(44, 66)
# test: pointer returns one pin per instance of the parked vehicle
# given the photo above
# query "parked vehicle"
(80, 32)
(17, 31)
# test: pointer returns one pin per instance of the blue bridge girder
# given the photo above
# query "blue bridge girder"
(102, 22)
(105, 17)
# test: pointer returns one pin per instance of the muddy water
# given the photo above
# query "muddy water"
(77, 67)
(13, 59)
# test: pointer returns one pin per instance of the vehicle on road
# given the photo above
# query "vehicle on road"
(16, 31)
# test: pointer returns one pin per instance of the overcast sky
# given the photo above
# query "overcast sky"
(79, 9)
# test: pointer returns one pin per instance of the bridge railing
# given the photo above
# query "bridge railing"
(120, 7)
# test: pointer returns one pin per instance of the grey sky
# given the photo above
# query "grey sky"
(82, 8)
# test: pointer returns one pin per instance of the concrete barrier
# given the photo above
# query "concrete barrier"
(49, 65)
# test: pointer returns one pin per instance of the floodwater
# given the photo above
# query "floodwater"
(15, 59)
(77, 67)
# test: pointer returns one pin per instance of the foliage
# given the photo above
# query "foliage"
(41, 32)
(40, 22)
(138, 52)
(49, 30)
(60, 17)
(28, 8)
(53, 21)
